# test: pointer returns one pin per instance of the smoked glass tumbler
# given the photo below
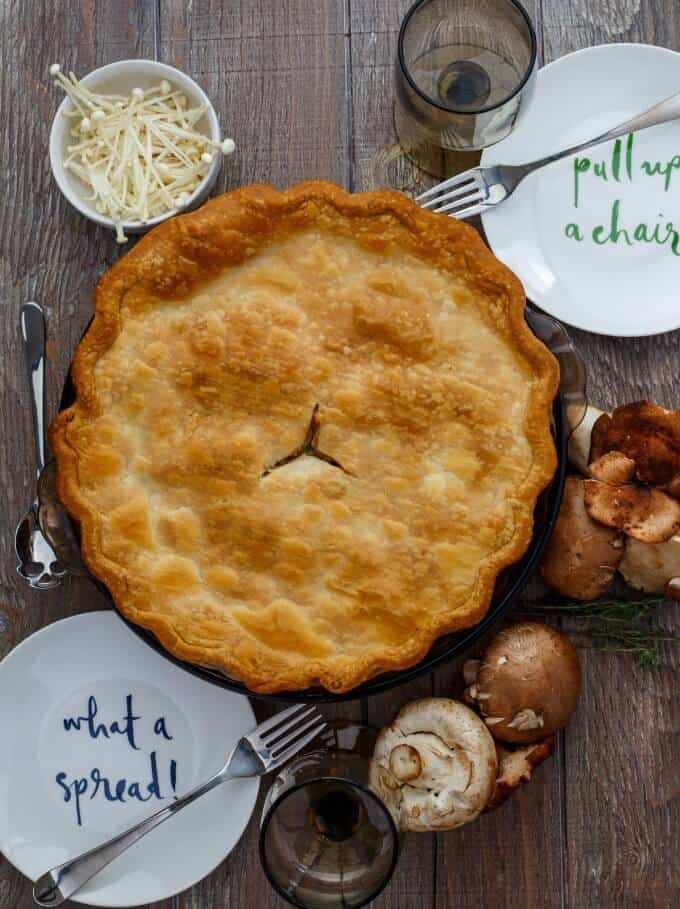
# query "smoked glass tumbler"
(327, 840)
(465, 69)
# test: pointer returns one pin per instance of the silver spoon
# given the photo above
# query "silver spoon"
(38, 562)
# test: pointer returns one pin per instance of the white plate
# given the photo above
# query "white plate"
(609, 288)
(49, 679)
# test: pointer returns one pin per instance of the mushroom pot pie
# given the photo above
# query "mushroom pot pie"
(309, 432)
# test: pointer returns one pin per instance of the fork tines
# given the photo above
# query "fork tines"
(463, 199)
(288, 732)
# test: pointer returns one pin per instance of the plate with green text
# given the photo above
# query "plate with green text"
(595, 238)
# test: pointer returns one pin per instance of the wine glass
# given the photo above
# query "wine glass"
(326, 838)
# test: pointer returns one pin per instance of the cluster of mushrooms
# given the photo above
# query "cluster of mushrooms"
(623, 512)
(449, 762)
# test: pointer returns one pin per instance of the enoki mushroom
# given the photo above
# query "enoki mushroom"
(140, 154)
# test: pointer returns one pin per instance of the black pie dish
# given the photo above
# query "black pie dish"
(510, 583)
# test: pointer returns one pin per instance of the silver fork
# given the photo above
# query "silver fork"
(261, 751)
(481, 188)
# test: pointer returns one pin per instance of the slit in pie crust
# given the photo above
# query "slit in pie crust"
(310, 430)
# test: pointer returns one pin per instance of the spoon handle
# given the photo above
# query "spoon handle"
(33, 335)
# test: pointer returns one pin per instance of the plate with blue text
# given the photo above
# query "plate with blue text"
(98, 732)
(595, 238)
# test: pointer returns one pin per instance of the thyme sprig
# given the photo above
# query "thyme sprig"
(615, 625)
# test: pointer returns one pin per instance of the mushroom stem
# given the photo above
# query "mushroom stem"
(580, 439)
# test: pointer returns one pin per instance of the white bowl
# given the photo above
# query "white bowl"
(121, 78)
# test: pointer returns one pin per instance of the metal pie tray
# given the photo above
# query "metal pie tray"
(567, 411)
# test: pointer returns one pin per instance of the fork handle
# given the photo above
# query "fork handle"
(663, 112)
(61, 882)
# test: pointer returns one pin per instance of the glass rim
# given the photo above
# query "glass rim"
(455, 110)
(323, 778)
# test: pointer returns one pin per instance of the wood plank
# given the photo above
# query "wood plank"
(413, 882)
(276, 73)
(49, 253)
(620, 773)
(475, 866)
(378, 161)
(513, 856)
(280, 72)
(584, 23)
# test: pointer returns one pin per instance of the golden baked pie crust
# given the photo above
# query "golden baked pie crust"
(362, 593)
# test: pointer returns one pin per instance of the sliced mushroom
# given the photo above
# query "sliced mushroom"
(647, 514)
(650, 567)
(528, 684)
(580, 439)
(614, 468)
(444, 760)
(515, 767)
(646, 433)
(582, 555)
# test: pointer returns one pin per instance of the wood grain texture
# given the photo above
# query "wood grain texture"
(49, 253)
(621, 750)
(514, 856)
(278, 76)
(474, 866)
(306, 90)
(276, 73)
(377, 161)
(413, 882)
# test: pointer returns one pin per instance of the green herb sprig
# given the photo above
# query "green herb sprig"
(619, 626)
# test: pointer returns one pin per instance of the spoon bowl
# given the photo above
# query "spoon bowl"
(38, 562)
(56, 525)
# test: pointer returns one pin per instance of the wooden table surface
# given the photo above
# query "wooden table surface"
(305, 87)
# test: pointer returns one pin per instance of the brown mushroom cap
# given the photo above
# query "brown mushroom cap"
(647, 514)
(582, 555)
(528, 684)
(647, 434)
